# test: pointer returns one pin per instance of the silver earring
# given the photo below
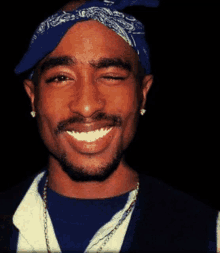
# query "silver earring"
(142, 112)
(33, 114)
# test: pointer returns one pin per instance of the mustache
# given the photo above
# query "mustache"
(114, 120)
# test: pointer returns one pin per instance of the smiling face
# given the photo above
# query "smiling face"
(88, 101)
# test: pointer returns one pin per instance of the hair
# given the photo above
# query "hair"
(141, 74)
(73, 5)
(35, 76)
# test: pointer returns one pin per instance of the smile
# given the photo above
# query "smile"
(90, 136)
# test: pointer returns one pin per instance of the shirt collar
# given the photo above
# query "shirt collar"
(28, 218)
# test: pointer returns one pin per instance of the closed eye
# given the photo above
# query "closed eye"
(114, 77)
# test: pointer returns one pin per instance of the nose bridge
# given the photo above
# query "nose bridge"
(87, 99)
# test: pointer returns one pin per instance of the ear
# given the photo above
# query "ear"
(30, 89)
(146, 85)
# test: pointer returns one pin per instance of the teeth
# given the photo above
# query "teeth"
(90, 136)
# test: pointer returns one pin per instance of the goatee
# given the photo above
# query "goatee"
(82, 174)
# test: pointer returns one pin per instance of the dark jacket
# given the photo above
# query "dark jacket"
(164, 220)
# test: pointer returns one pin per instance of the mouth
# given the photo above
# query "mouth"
(90, 136)
(92, 142)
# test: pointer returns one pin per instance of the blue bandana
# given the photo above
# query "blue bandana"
(50, 32)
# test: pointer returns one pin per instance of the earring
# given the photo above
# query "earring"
(33, 114)
(142, 112)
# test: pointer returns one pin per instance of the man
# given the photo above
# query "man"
(87, 94)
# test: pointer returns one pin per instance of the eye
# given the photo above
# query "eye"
(58, 79)
(113, 78)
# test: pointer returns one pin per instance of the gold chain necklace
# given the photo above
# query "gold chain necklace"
(126, 213)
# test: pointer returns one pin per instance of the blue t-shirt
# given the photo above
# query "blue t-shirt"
(76, 221)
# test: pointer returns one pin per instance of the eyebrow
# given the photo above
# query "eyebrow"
(56, 61)
(111, 62)
(99, 64)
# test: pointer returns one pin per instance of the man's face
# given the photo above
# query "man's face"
(88, 100)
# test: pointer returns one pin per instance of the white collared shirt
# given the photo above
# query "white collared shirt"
(28, 218)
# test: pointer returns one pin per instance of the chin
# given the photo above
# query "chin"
(90, 173)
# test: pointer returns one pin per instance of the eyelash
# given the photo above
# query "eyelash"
(52, 79)
(114, 77)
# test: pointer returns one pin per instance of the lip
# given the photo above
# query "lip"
(87, 127)
(94, 147)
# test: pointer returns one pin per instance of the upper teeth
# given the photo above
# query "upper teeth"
(91, 135)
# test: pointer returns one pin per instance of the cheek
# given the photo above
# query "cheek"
(126, 103)
(50, 102)
(49, 107)
(130, 128)
(125, 99)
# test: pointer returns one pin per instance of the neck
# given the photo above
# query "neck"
(123, 180)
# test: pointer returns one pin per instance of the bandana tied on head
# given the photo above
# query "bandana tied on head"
(50, 32)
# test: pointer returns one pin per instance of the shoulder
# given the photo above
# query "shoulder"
(162, 194)
(172, 217)
(10, 199)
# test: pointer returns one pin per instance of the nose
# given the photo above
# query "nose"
(87, 98)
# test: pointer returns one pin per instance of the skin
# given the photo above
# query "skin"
(84, 92)
(72, 5)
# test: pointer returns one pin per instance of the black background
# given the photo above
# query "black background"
(176, 140)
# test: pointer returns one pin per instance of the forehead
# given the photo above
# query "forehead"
(90, 40)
